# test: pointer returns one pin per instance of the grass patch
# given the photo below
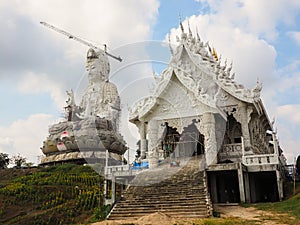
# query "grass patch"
(290, 206)
(64, 194)
(288, 211)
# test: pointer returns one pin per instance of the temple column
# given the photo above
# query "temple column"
(241, 183)
(243, 117)
(279, 185)
(247, 187)
(210, 143)
(213, 187)
(113, 189)
(143, 141)
(152, 143)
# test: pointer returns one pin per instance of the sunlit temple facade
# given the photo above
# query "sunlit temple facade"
(198, 109)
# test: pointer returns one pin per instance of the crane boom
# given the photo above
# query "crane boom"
(70, 36)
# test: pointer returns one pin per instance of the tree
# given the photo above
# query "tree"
(4, 160)
(18, 160)
(28, 164)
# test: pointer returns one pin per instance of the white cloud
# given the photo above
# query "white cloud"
(289, 138)
(295, 35)
(290, 78)
(258, 17)
(32, 83)
(290, 113)
(110, 22)
(50, 57)
(25, 136)
(6, 142)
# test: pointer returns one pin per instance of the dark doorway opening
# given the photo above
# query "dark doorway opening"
(263, 186)
(187, 144)
(192, 134)
(224, 186)
(170, 140)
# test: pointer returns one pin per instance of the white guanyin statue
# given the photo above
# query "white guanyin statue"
(92, 126)
(101, 96)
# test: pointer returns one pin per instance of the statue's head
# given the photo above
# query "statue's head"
(97, 66)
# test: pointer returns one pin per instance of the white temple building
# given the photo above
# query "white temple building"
(197, 109)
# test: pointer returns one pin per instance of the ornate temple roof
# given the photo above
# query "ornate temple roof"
(197, 66)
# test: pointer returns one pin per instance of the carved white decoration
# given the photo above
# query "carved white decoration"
(71, 100)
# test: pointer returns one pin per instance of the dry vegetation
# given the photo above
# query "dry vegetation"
(65, 194)
(69, 194)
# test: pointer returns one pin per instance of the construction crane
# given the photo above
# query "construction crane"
(70, 36)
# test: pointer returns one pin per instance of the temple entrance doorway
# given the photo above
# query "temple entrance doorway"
(187, 144)
(263, 186)
(224, 186)
(170, 140)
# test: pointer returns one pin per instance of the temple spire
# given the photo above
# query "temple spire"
(171, 49)
(214, 53)
(190, 32)
(180, 22)
(198, 37)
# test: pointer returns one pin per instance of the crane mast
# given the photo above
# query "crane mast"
(70, 36)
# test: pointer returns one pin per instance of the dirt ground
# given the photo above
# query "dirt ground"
(250, 213)
(152, 219)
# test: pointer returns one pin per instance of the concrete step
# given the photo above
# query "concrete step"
(158, 207)
(135, 216)
(166, 199)
(180, 194)
(160, 204)
(167, 211)
(164, 190)
(178, 198)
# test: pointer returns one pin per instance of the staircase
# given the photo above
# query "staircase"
(175, 191)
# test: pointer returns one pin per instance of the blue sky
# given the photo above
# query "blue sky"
(37, 65)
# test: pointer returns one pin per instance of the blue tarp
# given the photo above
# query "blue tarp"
(142, 165)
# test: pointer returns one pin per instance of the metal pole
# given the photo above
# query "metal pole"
(128, 155)
(106, 161)
(294, 171)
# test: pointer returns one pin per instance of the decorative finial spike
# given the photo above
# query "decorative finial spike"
(180, 22)
(273, 121)
(171, 49)
(190, 32)
(198, 37)
(258, 86)
(215, 55)
(209, 48)
(232, 76)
